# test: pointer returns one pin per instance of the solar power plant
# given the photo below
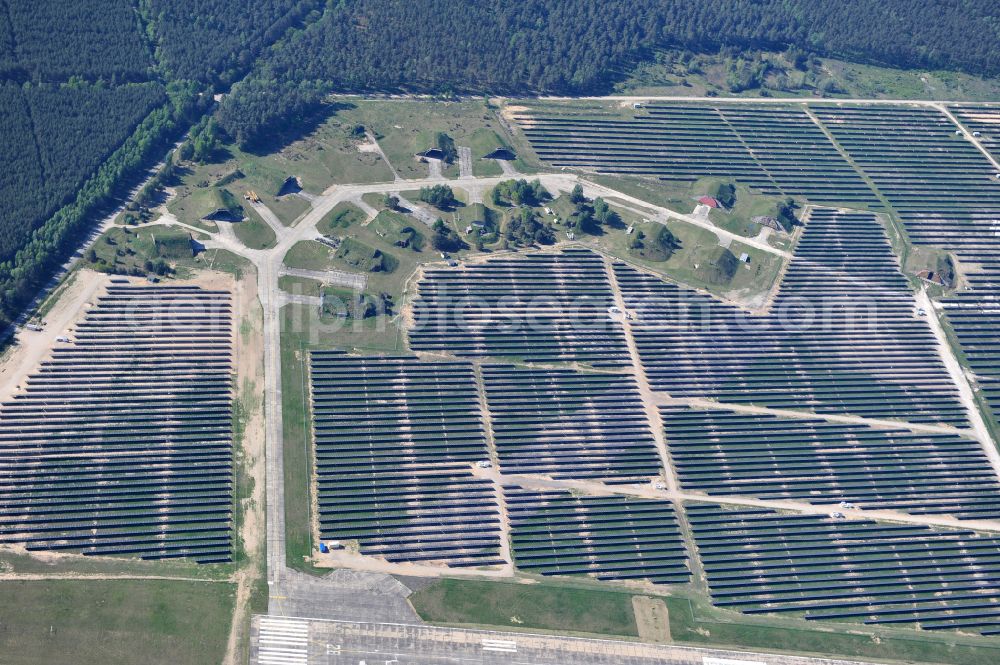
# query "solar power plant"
(572, 425)
(985, 120)
(776, 150)
(769, 457)
(536, 307)
(842, 335)
(942, 187)
(121, 442)
(975, 314)
(759, 561)
(609, 537)
(947, 194)
(396, 439)
(797, 155)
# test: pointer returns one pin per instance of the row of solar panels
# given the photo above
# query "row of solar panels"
(121, 442)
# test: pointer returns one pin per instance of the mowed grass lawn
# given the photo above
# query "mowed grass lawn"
(106, 622)
(538, 606)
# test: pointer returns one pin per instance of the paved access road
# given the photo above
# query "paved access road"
(289, 641)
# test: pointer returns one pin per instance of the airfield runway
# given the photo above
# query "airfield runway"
(291, 641)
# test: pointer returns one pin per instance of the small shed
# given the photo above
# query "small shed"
(709, 201)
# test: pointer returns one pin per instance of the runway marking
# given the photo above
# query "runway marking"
(708, 660)
(505, 646)
(282, 641)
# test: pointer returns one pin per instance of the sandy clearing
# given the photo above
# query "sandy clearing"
(249, 379)
(651, 619)
(961, 381)
(33, 347)
(510, 110)
(372, 564)
(39, 577)
(506, 552)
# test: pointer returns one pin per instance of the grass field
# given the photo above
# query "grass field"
(299, 285)
(699, 623)
(297, 460)
(288, 208)
(583, 608)
(708, 73)
(325, 157)
(254, 231)
(303, 329)
(343, 215)
(404, 128)
(107, 622)
(538, 606)
(309, 255)
(15, 562)
(300, 332)
(692, 261)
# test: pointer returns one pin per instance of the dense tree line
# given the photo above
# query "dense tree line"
(54, 41)
(54, 138)
(215, 40)
(21, 276)
(581, 46)
(267, 106)
(21, 168)
(65, 106)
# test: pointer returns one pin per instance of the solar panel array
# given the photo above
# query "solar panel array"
(396, 439)
(842, 335)
(536, 307)
(777, 150)
(760, 561)
(943, 189)
(566, 424)
(121, 442)
(797, 155)
(761, 455)
(948, 195)
(983, 120)
(941, 186)
(609, 537)
(975, 314)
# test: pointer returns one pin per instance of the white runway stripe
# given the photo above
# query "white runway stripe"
(506, 646)
(282, 642)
